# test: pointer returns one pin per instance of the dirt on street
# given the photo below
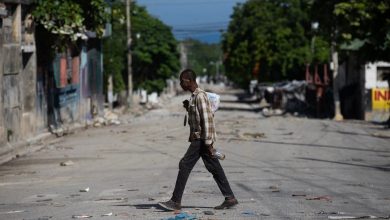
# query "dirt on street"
(280, 167)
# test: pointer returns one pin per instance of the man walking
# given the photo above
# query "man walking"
(202, 138)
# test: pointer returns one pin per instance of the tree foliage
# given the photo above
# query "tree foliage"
(368, 21)
(202, 56)
(68, 20)
(347, 22)
(270, 40)
(154, 50)
(155, 56)
(114, 48)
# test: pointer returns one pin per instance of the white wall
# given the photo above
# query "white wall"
(371, 75)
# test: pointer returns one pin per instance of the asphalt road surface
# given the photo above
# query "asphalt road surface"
(279, 167)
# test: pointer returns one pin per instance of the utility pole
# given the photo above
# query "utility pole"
(129, 59)
(336, 96)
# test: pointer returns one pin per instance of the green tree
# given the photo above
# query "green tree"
(347, 21)
(114, 47)
(68, 20)
(269, 40)
(367, 21)
(154, 49)
(203, 56)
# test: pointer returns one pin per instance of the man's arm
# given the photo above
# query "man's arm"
(206, 118)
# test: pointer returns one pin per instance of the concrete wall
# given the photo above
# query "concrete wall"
(17, 78)
(372, 80)
(3, 139)
(372, 84)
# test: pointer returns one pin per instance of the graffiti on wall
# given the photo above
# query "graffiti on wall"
(380, 99)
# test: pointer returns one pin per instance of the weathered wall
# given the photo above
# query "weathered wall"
(17, 79)
(3, 139)
(12, 65)
(29, 92)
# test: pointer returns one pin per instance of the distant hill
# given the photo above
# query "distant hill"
(206, 38)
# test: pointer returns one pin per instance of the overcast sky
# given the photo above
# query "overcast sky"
(200, 19)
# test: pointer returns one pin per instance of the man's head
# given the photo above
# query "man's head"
(188, 80)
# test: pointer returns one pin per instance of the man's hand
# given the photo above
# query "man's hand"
(210, 149)
(186, 104)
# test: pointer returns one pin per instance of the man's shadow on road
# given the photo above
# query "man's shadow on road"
(158, 208)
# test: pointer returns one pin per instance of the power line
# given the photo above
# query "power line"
(181, 3)
(217, 23)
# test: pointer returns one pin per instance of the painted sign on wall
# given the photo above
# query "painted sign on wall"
(380, 99)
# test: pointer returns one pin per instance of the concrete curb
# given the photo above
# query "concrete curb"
(15, 150)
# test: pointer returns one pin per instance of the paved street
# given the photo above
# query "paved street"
(280, 167)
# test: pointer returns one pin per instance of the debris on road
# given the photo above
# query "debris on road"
(296, 195)
(274, 189)
(67, 163)
(107, 214)
(113, 199)
(359, 217)
(208, 212)
(82, 216)
(182, 216)
(13, 211)
(44, 200)
(322, 212)
(254, 135)
(249, 213)
(85, 190)
(132, 190)
(326, 198)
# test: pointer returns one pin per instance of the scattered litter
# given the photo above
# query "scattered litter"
(13, 211)
(67, 163)
(322, 212)
(113, 199)
(249, 213)
(296, 195)
(82, 216)
(358, 217)
(108, 214)
(44, 200)
(208, 212)
(289, 133)
(85, 190)
(182, 216)
(254, 135)
(355, 184)
(42, 218)
(326, 198)
(274, 189)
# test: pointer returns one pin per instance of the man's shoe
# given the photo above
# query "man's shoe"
(170, 205)
(227, 204)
